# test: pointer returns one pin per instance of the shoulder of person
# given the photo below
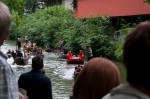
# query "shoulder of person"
(46, 77)
(120, 96)
(24, 74)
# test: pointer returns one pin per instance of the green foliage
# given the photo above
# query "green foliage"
(16, 8)
(49, 25)
(31, 5)
(16, 5)
(45, 26)
(122, 71)
(16, 23)
(99, 31)
(93, 31)
(119, 50)
(103, 45)
(147, 1)
(120, 41)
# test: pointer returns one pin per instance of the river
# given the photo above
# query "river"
(55, 68)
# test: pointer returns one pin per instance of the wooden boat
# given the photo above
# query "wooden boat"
(48, 50)
(20, 61)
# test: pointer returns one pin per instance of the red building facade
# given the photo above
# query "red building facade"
(112, 8)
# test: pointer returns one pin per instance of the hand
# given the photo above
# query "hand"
(21, 96)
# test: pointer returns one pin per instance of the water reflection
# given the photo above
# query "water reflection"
(57, 69)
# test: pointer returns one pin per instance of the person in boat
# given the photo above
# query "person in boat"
(35, 49)
(48, 48)
(26, 56)
(35, 83)
(14, 55)
(9, 53)
(77, 71)
(19, 54)
(25, 45)
(97, 77)
(64, 54)
(81, 54)
(39, 51)
(29, 47)
(65, 50)
(19, 60)
(69, 55)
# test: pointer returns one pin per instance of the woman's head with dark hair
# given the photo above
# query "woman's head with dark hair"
(136, 53)
(37, 62)
(97, 78)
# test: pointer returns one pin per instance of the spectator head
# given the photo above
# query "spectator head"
(97, 78)
(5, 22)
(37, 62)
(136, 53)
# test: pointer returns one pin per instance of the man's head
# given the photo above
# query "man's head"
(37, 62)
(5, 22)
(136, 55)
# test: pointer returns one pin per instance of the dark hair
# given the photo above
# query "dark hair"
(37, 62)
(136, 53)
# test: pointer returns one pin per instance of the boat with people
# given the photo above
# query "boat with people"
(77, 71)
(48, 48)
(63, 55)
(20, 61)
(71, 59)
(20, 58)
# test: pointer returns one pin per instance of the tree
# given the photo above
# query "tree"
(147, 1)
(16, 5)
(31, 5)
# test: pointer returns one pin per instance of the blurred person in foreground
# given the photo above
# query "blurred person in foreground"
(8, 81)
(35, 84)
(136, 53)
(97, 78)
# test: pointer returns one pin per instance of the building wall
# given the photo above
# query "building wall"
(67, 4)
(93, 8)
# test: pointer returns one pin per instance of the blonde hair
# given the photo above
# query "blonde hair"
(5, 19)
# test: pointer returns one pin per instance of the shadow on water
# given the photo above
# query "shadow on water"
(56, 69)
